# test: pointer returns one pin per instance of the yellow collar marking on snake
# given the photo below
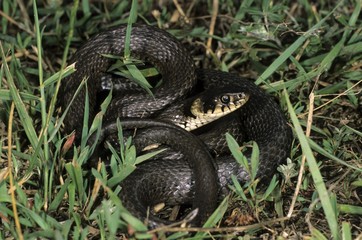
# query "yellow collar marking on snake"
(222, 105)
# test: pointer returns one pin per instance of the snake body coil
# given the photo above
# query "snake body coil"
(173, 180)
(149, 44)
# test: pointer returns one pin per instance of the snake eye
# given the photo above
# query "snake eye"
(225, 99)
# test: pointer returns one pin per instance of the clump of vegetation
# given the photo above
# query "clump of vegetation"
(306, 54)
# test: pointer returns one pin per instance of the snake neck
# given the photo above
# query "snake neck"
(266, 125)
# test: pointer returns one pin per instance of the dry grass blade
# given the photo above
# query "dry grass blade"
(301, 170)
(11, 177)
(215, 10)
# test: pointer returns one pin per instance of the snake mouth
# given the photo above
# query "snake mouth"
(208, 108)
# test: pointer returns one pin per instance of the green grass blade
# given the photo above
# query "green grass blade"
(20, 106)
(235, 151)
(97, 121)
(349, 209)
(237, 188)
(254, 160)
(316, 234)
(71, 190)
(214, 218)
(147, 156)
(43, 107)
(356, 12)
(134, 222)
(61, 119)
(359, 133)
(84, 132)
(328, 60)
(59, 197)
(62, 71)
(131, 19)
(136, 74)
(42, 223)
(75, 172)
(138, 77)
(325, 153)
(61, 74)
(5, 95)
(272, 185)
(346, 231)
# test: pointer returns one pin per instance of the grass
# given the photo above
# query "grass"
(306, 54)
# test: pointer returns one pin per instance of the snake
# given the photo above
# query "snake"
(198, 177)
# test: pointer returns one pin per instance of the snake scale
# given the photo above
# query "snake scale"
(199, 176)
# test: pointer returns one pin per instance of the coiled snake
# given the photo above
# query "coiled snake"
(164, 179)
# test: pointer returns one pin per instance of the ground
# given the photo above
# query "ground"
(305, 52)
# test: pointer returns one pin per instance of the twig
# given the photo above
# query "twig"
(12, 21)
(25, 14)
(17, 55)
(219, 229)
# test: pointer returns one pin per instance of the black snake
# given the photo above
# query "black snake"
(164, 179)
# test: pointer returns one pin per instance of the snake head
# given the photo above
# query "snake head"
(207, 107)
(214, 104)
(218, 102)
